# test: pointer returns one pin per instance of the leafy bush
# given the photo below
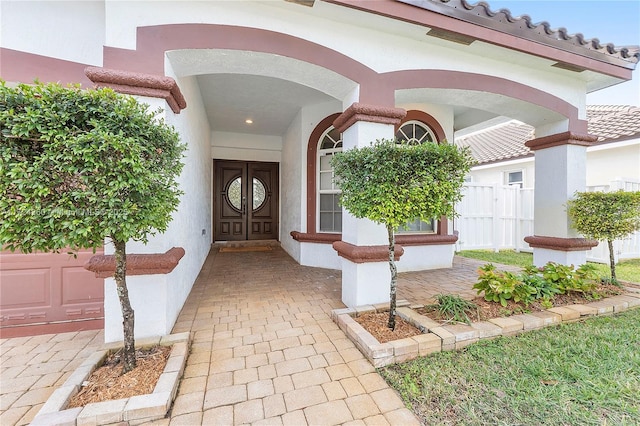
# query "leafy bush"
(542, 288)
(534, 283)
(606, 216)
(499, 286)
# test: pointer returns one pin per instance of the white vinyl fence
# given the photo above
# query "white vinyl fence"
(498, 217)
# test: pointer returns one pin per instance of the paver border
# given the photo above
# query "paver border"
(436, 337)
(134, 410)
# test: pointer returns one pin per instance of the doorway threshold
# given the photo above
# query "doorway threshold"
(245, 245)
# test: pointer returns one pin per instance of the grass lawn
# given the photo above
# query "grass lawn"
(626, 270)
(584, 373)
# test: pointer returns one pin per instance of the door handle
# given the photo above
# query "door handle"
(244, 206)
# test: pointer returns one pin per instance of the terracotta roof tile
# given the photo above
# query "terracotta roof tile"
(502, 142)
(505, 141)
(502, 20)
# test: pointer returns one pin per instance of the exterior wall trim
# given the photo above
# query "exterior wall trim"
(375, 89)
(426, 239)
(564, 138)
(321, 238)
(402, 239)
(140, 84)
(366, 254)
(104, 266)
(560, 244)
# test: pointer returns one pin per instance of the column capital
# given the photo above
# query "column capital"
(564, 138)
(370, 113)
(139, 84)
(366, 254)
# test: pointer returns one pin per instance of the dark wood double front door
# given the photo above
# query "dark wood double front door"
(245, 201)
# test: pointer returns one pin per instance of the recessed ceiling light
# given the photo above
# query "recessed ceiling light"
(248, 121)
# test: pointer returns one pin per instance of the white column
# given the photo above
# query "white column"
(560, 167)
(365, 270)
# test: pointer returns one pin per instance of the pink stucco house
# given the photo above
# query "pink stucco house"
(264, 92)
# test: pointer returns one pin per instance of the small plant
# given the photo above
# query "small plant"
(546, 303)
(606, 216)
(610, 281)
(392, 183)
(543, 290)
(455, 308)
(502, 286)
(558, 275)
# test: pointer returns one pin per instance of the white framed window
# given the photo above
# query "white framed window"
(515, 177)
(415, 132)
(329, 210)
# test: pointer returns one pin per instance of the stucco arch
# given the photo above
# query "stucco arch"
(299, 59)
(499, 96)
(195, 49)
(186, 62)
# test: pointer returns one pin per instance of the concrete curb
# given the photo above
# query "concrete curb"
(135, 410)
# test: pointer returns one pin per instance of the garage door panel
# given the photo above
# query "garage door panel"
(44, 288)
(78, 287)
(25, 288)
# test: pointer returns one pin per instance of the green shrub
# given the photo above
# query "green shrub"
(535, 283)
(501, 286)
(543, 289)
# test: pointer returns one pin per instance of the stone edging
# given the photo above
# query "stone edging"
(437, 337)
(134, 410)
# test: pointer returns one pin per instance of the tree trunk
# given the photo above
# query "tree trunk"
(129, 351)
(612, 262)
(394, 278)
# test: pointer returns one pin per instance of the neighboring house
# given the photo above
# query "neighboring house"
(264, 92)
(499, 148)
(498, 212)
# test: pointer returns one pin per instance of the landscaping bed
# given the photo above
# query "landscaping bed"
(511, 304)
(136, 409)
(434, 336)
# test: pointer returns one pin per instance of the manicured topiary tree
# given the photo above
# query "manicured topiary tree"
(392, 183)
(606, 216)
(78, 167)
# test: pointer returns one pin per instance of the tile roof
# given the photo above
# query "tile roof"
(613, 121)
(505, 141)
(481, 14)
(499, 143)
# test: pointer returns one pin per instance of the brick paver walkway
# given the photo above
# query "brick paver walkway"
(264, 350)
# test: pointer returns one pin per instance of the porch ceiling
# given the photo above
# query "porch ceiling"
(271, 103)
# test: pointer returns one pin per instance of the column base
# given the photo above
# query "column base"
(366, 277)
(567, 251)
(365, 283)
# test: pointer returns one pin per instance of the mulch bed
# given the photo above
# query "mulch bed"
(487, 310)
(108, 383)
(376, 323)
